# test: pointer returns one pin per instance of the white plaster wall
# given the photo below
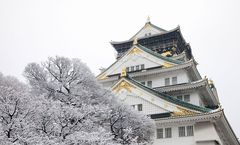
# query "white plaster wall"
(195, 98)
(206, 131)
(151, 103)
(148, 107)
(159, 79)
(137, 59)
(147, 30)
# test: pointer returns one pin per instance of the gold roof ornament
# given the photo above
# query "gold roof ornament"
(135, 41)
(174, 48)
(166, 53)
(123, 85)
(182, 112)
(210, 82)
(124, 72)
(166, 64)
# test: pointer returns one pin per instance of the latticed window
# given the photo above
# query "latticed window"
(167, 81)
(168, 132)
(181, 131)
(187, 98)
(139, 107)
(137, 67)
(174, 80)
(160, 133)
(132, 68)
(149, 84)
(189, 130)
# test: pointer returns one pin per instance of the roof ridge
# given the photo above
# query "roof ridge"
(170, 98)
(161, 29)
(129, 40)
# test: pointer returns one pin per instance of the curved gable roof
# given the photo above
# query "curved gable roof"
(149, 51)
(166, 96)
(149, 25)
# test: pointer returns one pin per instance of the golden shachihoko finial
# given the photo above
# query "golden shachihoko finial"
(124, 72)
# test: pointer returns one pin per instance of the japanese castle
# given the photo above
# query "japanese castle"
(155, 72)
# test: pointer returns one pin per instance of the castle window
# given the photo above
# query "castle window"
(185, 131)
(168, 132)
(160, 133)
(181, 131)
(139, 107)
(149, 84)
(174, 80)
(164, 133)
(187, 98)
(189, 130)
(167, 81)
(142, 66)
(132, 68)
(137, 67)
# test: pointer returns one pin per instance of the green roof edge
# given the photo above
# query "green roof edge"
(169, 98)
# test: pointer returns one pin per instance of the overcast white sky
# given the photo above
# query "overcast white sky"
(32, 30)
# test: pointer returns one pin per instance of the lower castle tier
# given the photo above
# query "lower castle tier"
(156, 74)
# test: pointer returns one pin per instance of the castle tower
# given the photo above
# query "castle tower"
(155, 72)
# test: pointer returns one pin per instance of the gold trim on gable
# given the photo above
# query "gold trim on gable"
(147, 26)
(123, 85)
(135, 50)
(182, 112)
(166, 53)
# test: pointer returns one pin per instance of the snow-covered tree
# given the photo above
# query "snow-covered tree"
(74, 109)
(16, 111)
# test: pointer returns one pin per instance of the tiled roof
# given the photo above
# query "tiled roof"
(150, 52)
(169, 98)
(159, 55)
(177, 29)
(183, 86)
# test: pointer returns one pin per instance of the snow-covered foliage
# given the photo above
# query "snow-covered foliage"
(66, 106)
(16, 111)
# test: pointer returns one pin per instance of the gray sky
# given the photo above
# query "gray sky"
(32, 30)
